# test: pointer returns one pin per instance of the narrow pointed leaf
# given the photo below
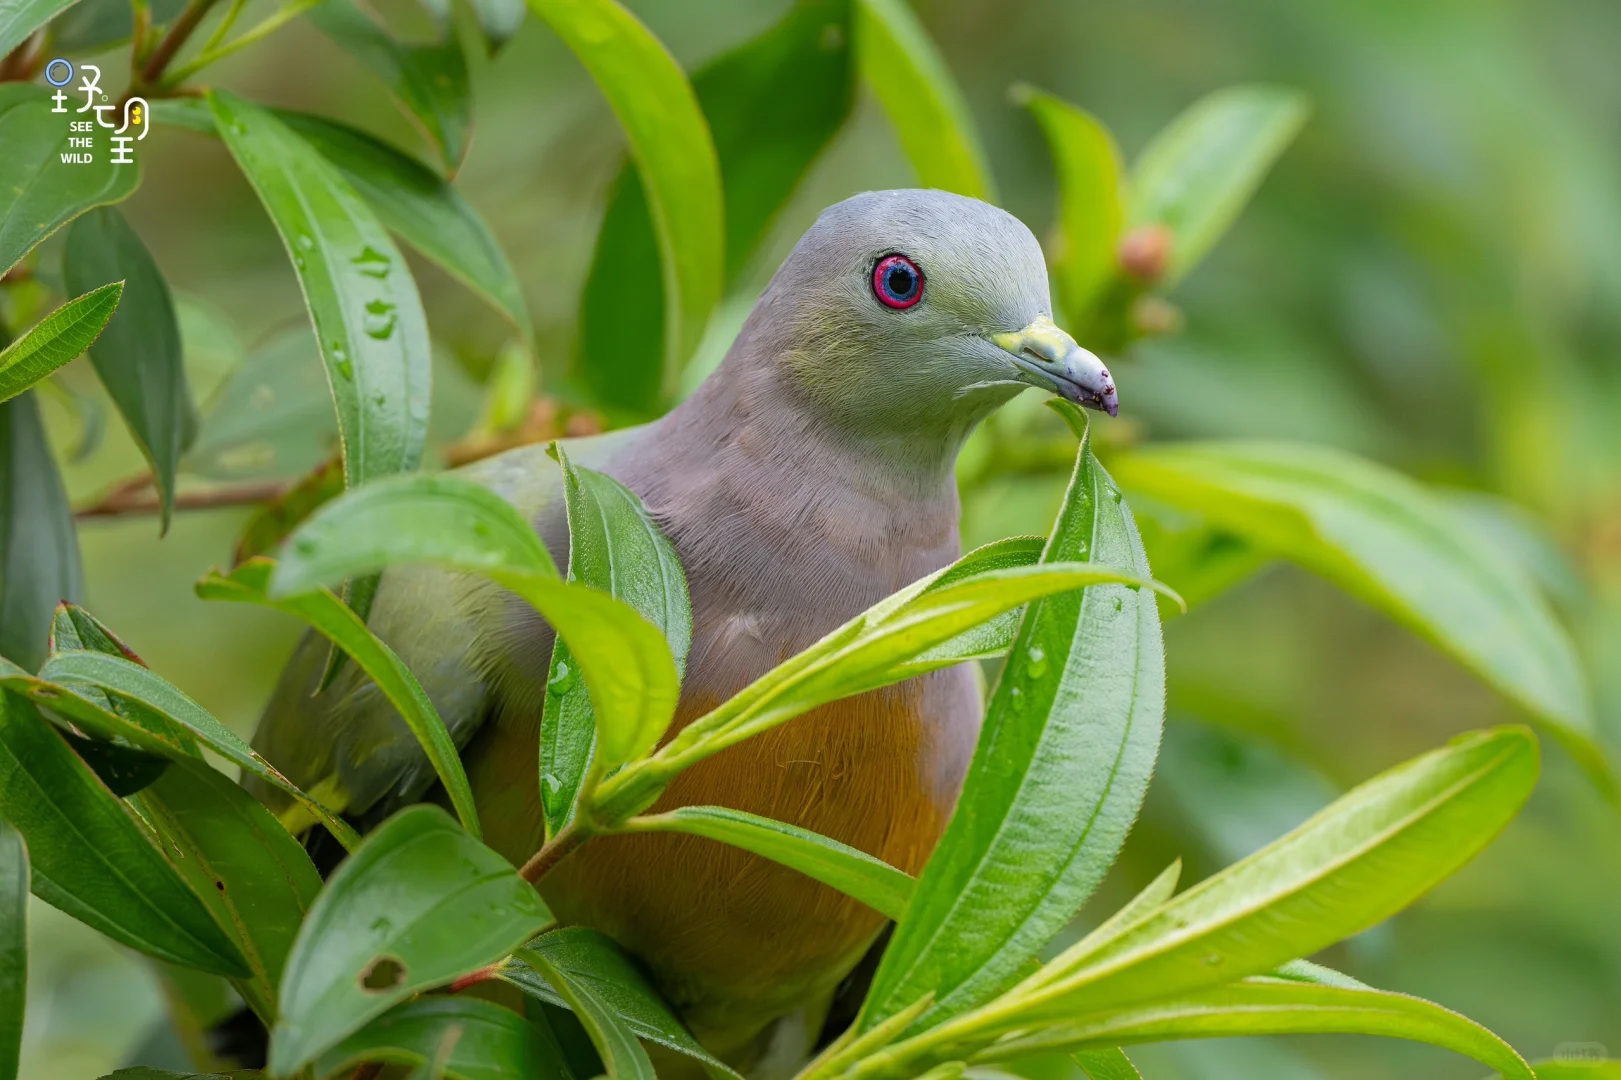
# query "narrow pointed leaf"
(1262, 1006)
(590, 958)
(1108, 1064)
(419, 904)
(622, 1054)
(484, 1041)
(256, 879)
(428, 80)
(90, 857)
(675, 160)
(454, 522)
(326, 613)
(1090, 207)
(363, 304)
(39, 548)
(773, 104)
(129, 681)
(1386, 539)
(874, 882)
(1197, 174)
(39, 191)
(614, 546)
(138, 355)
(56, 339)
(13, 946)
(20, 18)
(1063, 762)
(921, 98)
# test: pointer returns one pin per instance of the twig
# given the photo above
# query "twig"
(270, 25)
(135, 496)
(171, 43)
(551, 853)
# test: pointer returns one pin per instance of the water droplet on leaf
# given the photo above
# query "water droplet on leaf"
(372, 263)
(561, 680)
(1037, 666)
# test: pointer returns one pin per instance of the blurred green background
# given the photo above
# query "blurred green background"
(1431, 277)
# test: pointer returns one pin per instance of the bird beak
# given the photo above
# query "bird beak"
(1049, 358)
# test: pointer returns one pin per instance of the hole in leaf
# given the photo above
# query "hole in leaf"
(383, 973)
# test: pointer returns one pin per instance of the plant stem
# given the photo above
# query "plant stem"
(224, 26)
(276, 21)
(170, 44)
(551, 853)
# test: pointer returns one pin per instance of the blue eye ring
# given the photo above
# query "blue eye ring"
(897, 282)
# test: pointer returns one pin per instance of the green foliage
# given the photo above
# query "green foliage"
(56, 339)
(468, 1039)
(13, 946)
(39, 552)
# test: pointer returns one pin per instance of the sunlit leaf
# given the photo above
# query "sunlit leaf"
(13, 946)
(477, 1040)
(138, 355)
(39, 191)
(613, 546)
(1063, 762)
(56, 339)
(39, 549)
(364, 306)
(589, 958)
(90, 857)
(254, 877)
(675, 160)
(326, 613)
(1197, 174)
(855, 873)
(1389, 541)
(921, 98)
(419, 904)
(1108, 1064)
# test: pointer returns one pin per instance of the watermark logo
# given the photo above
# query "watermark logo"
(131, 121)
(1581, 1053)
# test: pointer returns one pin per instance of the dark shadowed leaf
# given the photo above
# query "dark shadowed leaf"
(364, 306)
(138, 355)
(39, 549)
(91, 858)
(13, 946)
(1063, 761)
(255, 878)
(772, 105)
(613, 546)
(420, 903)
(124, 769)
(327, 614)
(39, 192)
(429, 80)
(1388, 540)
(56, 339)
(921, 98)
(623, 1055)
(1197, 174)
(675, 160)
(855, 873)
(468, 1038)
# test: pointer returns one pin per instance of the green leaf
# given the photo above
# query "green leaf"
(587, 957)
(326, 613)
(428, 80)
(1197, 174)
(1063, 762)
(855, 873)
(123, 769)
(454, 522)
(1108, 1064)
(20, 18)
(484, 1041)
(73, 629)
(674, 155)
(255, 878)
(500, 20)
(1090, 203)
(363, 303)
(91, 858)
(39, 549)
(614, 546)
(420, 903)
(1582, 1068)
(622, 1054)
(1261, 1006)
(138, 355)
(773, 104)
(923, 102)
(1363, 858)
(130, 682)
(268, 525)
(56, 339)
(13, 946)
(424, 209)
(39, 192)
(1382, 537)
(92, 25)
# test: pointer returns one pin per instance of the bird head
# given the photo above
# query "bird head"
(906, 312)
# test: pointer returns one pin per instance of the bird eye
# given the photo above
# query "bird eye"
(897, 281)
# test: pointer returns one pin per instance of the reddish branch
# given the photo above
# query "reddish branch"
(137, 496)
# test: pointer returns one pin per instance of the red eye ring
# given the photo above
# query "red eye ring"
(897, 282)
